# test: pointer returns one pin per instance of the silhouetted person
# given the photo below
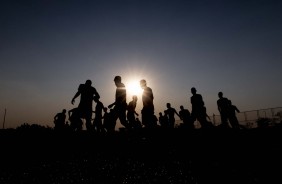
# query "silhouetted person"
(137, 124)
(97, 122)
(171, 112)
(222, 105)
(185, 116)
(109, 122)
(163, 120)
(155, 121)
(207, 119)
(59, 120)
(232, 109)
(67, 127)
(131, 111)
(75, 119)
(198, 108)
(120, 104)
(148, 105)
(87, 93)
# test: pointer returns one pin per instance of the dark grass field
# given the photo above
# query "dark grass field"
(155, 156)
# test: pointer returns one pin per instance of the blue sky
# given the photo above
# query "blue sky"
(48, 47)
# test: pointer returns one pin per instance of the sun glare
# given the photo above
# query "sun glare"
(133, 88)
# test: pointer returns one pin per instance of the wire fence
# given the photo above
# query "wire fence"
(249, 119)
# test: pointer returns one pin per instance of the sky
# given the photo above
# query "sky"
(49, 47)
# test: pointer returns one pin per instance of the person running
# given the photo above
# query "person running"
(86, 93)
(171, 112)
(75, 120)
(232, 109)
(148, 105)
(163, 120)
(131, 111)
(60, 119)
(185, 116)
(97, 122)
(109, 122)
(198, 108)
(223, 105)
(120, 102)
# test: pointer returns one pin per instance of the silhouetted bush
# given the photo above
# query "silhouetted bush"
(35, 127)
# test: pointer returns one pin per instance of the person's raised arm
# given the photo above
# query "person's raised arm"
(111, 105)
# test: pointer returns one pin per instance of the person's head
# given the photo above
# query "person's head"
(143, 83)
(160, 113)
(105, 109)
(181, 107)
(88, 82)
(117, 79)
(193, 90)
(220, 94)
(168, 105)
(134, 98)
(64, 111)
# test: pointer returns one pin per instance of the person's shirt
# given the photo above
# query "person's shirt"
(148, 97)
(171, 111)
(184, 114)
(222, 104)
(120, 94)
(197, 101)
(232, 110)
(87, 93)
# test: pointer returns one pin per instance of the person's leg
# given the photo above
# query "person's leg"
(122, 117)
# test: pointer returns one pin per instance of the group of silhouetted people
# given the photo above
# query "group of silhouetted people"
(105, 121)
(105, 117)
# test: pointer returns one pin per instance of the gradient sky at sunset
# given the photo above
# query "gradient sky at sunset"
(49, 47)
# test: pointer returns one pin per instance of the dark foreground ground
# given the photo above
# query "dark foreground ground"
(159, 156)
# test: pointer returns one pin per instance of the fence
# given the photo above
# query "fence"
(248, 119)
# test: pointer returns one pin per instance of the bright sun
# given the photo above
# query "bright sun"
(133, 88)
